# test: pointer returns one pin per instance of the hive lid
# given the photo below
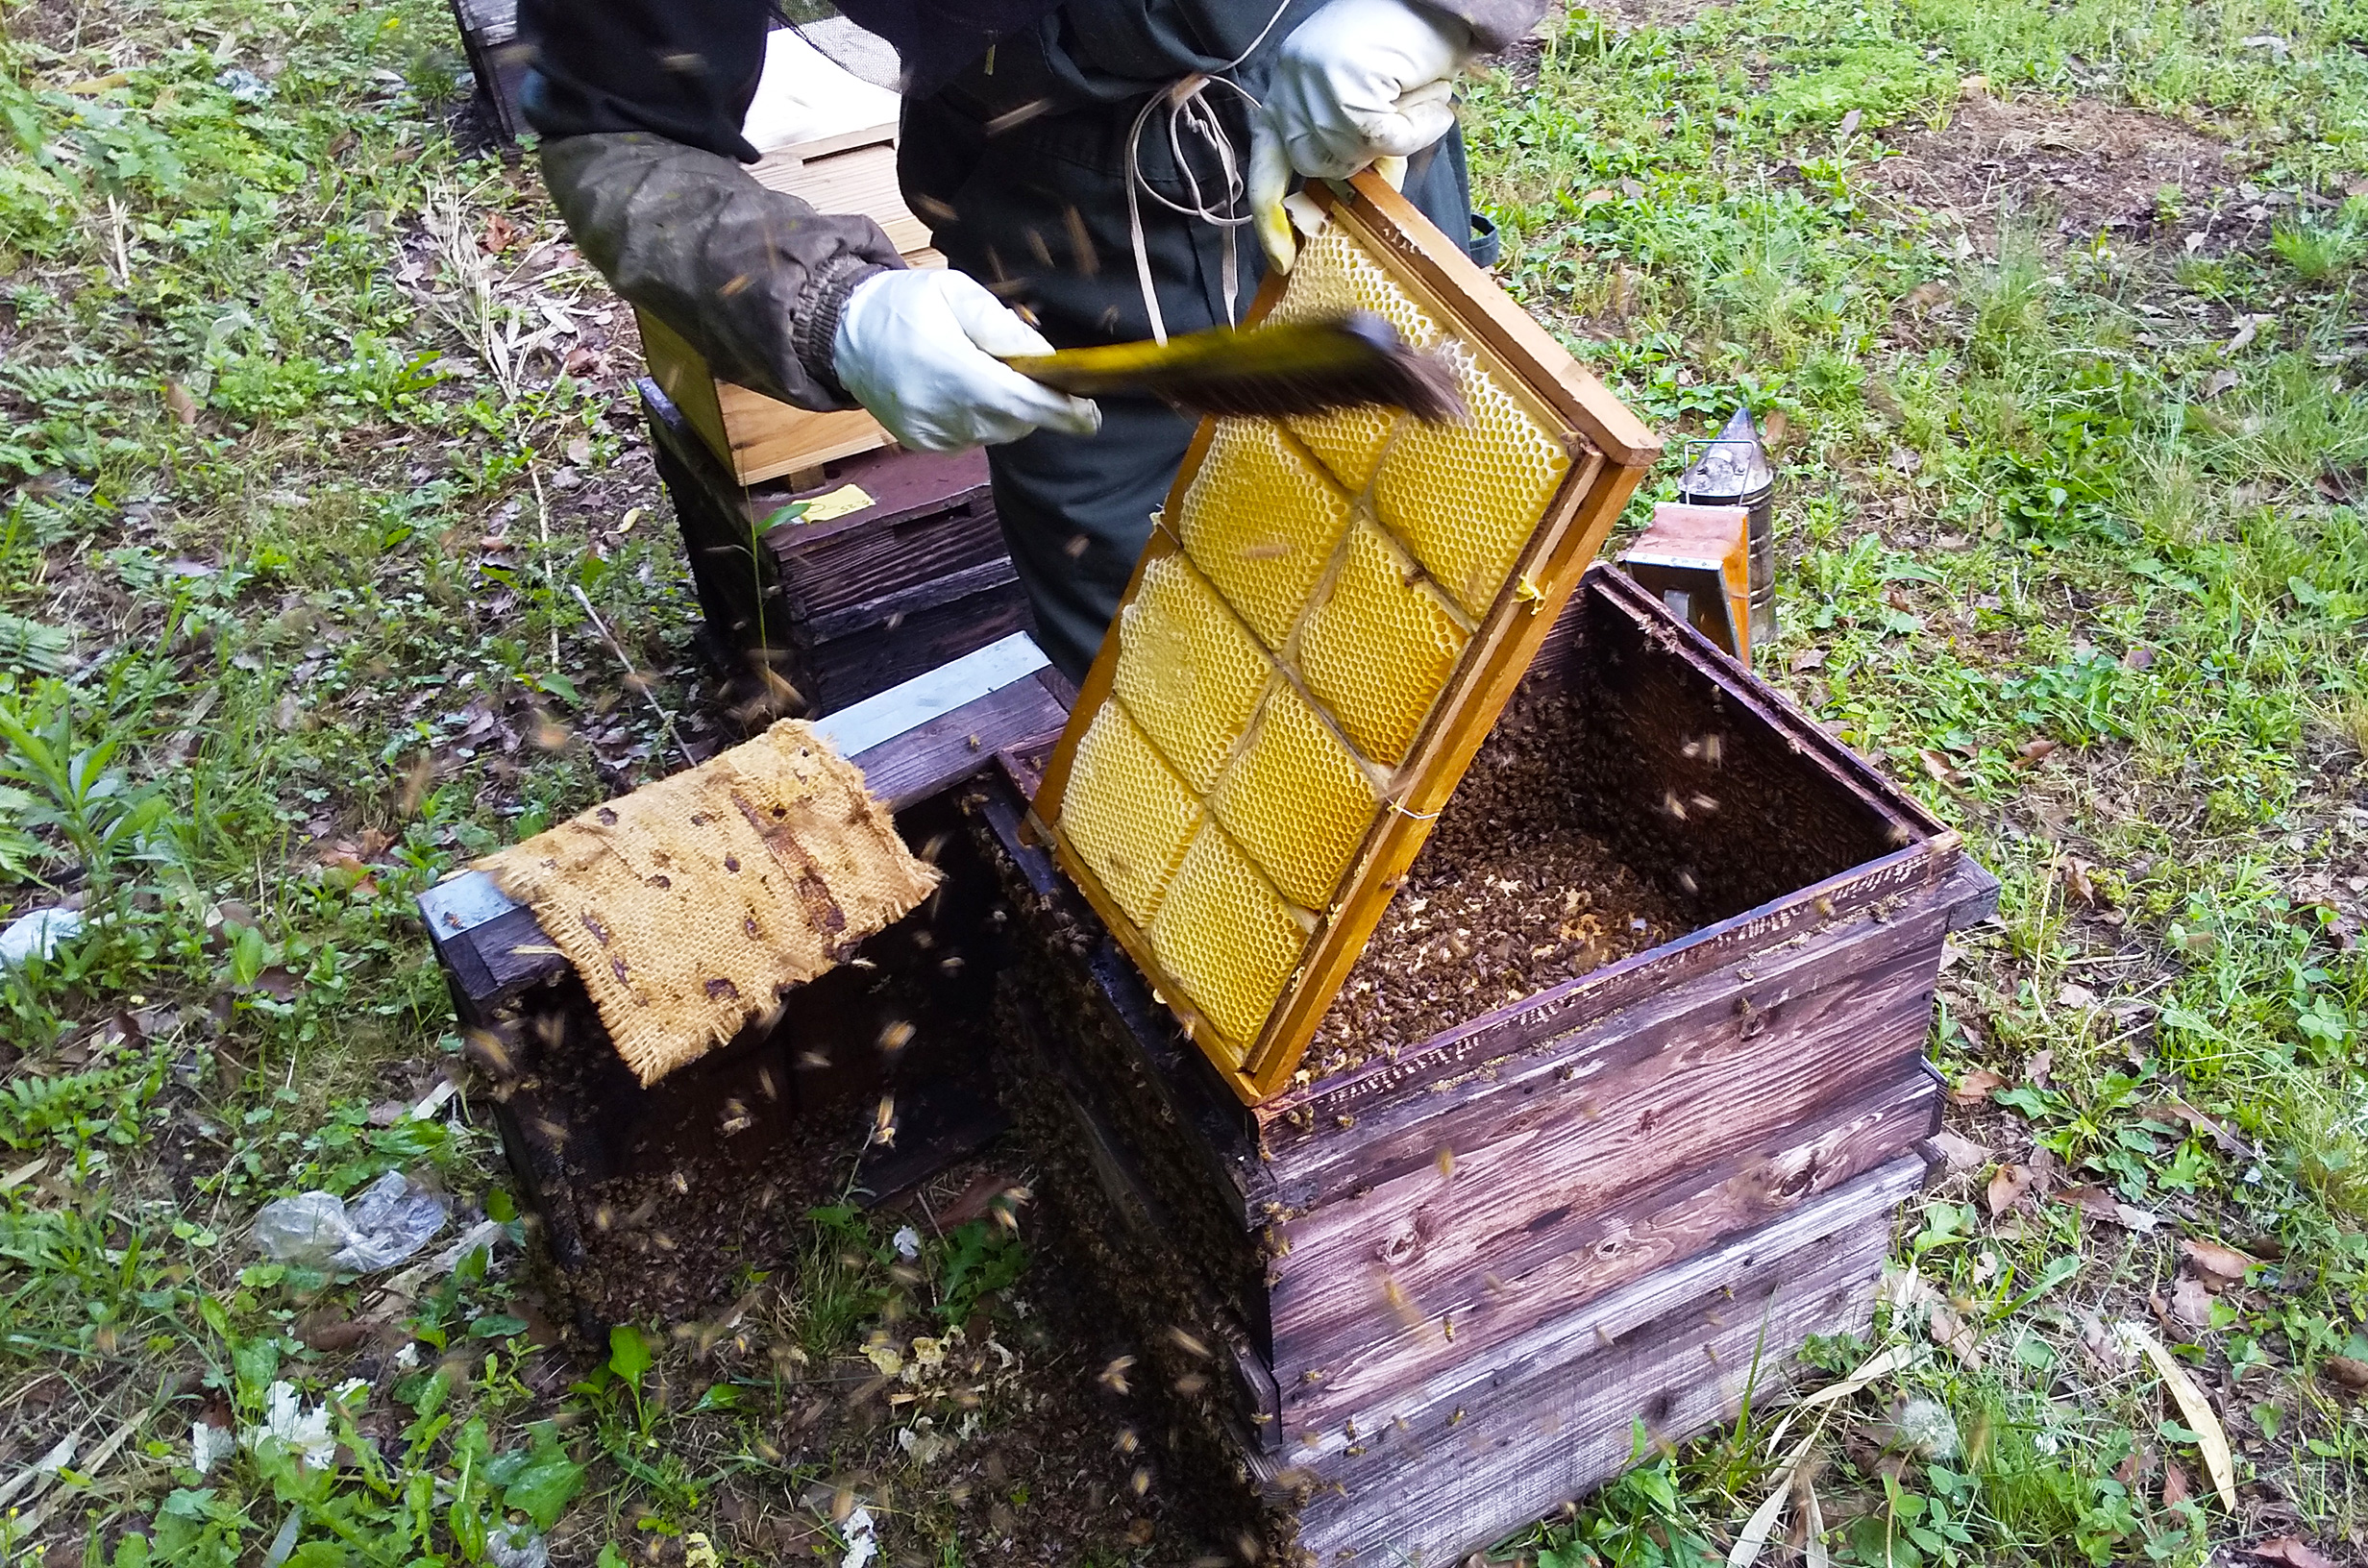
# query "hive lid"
(1323, 628)
(803, 96)
(689, 906)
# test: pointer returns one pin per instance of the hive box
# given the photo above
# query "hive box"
(651, 1202)
(489, 34)
(1441, 1285)
(845, 607)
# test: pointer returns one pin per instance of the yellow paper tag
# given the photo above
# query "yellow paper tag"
(846, 499)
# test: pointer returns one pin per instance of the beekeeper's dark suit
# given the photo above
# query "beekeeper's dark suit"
(1017, 121)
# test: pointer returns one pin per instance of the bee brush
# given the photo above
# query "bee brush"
(1313, 367)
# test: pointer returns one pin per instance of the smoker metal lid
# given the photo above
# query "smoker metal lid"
(1734, 463)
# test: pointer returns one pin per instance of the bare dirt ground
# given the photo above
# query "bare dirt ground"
(2077, 168)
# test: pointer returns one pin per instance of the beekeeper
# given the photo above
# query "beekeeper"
(1089, 161)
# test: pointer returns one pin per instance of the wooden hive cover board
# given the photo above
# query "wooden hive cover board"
(1321, 632)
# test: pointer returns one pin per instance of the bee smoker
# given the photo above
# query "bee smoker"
(1733, 471)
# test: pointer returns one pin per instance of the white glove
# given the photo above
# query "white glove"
(920, 350)
(1358, 82)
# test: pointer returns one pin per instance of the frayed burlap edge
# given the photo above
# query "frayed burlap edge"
(689, 906)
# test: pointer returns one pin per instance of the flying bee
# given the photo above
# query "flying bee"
(490, 1053)
(1114, 1376)
(1185, 1342)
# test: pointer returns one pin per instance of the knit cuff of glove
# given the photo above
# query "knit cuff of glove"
(816, 330)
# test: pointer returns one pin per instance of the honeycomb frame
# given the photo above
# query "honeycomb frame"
(1478, 580)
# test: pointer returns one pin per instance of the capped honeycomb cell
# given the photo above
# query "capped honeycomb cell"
(1332, 275)
(1465, 497)
(1227, 937)
(1261, 520)
(1378, 648)
(1295, 799)
(1189, 671)
(1126, 814)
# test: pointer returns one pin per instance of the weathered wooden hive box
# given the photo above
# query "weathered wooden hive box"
(655, 1202)
(844, 607)
(1612, 1114)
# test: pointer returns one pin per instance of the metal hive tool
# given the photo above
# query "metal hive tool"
(1322, 631)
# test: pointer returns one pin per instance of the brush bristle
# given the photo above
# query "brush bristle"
(1352, 360)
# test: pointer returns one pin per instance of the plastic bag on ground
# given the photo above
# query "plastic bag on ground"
(386, 1223)
(516, 1546)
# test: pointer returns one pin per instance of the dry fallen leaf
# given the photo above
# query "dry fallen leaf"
(2031, 752)
(2345, 1370)
(177, 400)
(2076, 880)
(2007, 1186)
(2037, 1067)
(1960, 1153)
(1977, 1086)
(2216, 1266)
(2292, 1551)
(2177, 1489)
(1940, 767)
(2093, 1201)
(2191, 1303)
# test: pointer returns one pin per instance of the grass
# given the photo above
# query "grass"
(317, 452)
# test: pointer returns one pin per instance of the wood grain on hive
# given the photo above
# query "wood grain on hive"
(1325, 624)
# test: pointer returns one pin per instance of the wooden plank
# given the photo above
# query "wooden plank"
(954, 746)
(1306, 1130)
(1495, 1291)
(1568, 1340)
(1767, 706)
(766, 438)
(1873, 959)
(856, 172)
(679, 372)
(1679, 1358)
(892, 607)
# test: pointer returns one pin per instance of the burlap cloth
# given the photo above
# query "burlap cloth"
(689, 906)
